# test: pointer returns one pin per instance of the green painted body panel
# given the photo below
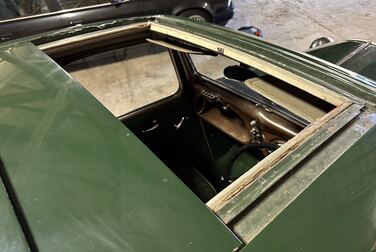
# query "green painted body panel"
(86, 183)
(357, 56)
(239, 203)
(335, 53)
(83, 180)
(363, 62)
(335, 213)
(12, 238)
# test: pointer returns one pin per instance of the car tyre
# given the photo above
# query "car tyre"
(197, 15)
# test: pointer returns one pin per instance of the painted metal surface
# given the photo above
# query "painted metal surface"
(12, 238)
(357, 56)
(334, 52)
(337, 211)
(277, 198)
(281, 195)
(83, 180)
(362, 61)
(263, 182)
(334, 78)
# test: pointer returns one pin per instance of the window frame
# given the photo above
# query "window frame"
(239, 195)
(236, 197)
(231, 201)
(120, 35)
(281, 111)
(149, 104)
(167, 99)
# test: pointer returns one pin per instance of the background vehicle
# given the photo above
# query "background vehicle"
(264, 149)
(25, 17)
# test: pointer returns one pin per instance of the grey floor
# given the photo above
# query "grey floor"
(295, 23)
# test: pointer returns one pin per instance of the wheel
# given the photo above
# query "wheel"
(197, 15)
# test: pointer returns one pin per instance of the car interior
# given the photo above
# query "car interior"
(213, 129)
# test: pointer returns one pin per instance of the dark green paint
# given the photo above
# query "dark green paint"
(263, 182)
(84, 181)
(363, 62)
(335, 52)
(357, 56)
(12, 238)
(288, 188)
(335, 213)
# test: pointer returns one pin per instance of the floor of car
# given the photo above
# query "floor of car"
(196, 152)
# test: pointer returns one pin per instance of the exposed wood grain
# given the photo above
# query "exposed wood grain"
(216, 203)
(276, 71)
(92, 37)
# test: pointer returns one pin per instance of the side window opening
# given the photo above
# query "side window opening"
(214, 139)
(237, 127)
(234, 74)
(128, 78)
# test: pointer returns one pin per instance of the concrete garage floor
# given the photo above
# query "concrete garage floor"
(296, 23)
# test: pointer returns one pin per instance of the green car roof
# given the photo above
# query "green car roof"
(82, 180)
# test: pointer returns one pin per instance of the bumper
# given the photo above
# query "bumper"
(223, 17)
